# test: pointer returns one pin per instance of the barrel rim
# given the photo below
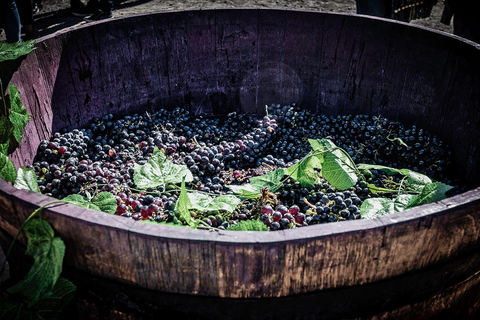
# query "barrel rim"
(214, 9)
(242, 237)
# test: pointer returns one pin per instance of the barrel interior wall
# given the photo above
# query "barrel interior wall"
(218, 61)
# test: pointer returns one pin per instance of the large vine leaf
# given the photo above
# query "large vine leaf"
(304, 171)
(337, 168)
(6, 129)
(432, 192)
(48, 252)
(159, 171)
(249, 225)
(183, 206)
(18, 113)
(106, 202)
(246, 191)
(13, 51)
(26, 179)
(206, 203)
(80, 201)
(417, 180)
(377, 207)
(338, 174)
(7, 168)
(53, 306)
(272, 180)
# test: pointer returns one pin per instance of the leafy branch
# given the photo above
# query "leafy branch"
(337, 167)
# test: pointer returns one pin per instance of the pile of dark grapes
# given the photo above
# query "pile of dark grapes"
(220, 151)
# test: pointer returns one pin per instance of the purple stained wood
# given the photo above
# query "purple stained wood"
(218, 61)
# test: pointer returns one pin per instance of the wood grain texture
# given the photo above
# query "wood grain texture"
(218, 61)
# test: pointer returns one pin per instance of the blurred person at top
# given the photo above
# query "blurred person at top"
(10, 20)
(94, 10)
(25, 10)
(466, 22)
(401, 10)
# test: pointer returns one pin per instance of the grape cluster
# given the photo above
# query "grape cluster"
(220, 151)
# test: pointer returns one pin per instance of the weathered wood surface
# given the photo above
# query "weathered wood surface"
(217, 61)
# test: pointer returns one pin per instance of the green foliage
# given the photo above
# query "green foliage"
(183, 206)
(7, 168)
(337, 167)
(417, 181)
(50, 308)
(388, 171)
(376, 207)
(105, 201)
(304, 171)
(13, 51)
(246, 191)
(48, 252)
(11, 127)
(205, 203)
(26, 179)
(335, 164)
(432, 192)
(249, 225)
(159, 171)
(18, 113)
(6, 129)
(272, 180)
(80, 201)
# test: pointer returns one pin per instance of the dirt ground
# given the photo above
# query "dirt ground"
(55, 14)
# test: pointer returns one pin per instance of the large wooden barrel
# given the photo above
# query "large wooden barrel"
(421, 263)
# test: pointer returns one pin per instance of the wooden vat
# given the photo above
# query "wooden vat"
(423, 261)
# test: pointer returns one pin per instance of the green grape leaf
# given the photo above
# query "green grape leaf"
(53, 306)
(249, 225)
(26, 179)
(401, 202)
(417, 180)
(159, 171)
(376, 190)
(246, 191)
(272, 180)
(14, 310)
(106, 202)
(18, 113)
(304, 171)
(206, 203)
(47, 252)
(432, 192)
(13, 51)
(80, 201)
(6, 130)
(183, 206)
(50, 307)
(4, 148)
(7, 169)
(388, 171)
(337, 168)
(376, 207)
